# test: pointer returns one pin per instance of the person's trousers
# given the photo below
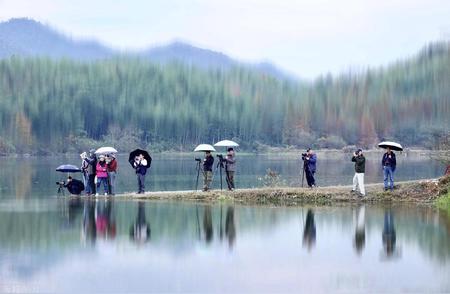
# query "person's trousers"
(141, 183)
(207, 179)
(112, 182)
(104, 182)
(388, 177)
(92, 184)
(87, 186)
(310, 178)
(358, 180)
(230, 179)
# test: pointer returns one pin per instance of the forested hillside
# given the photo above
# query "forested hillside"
(62, 105)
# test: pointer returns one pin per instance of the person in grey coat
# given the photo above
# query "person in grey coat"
(230, 168)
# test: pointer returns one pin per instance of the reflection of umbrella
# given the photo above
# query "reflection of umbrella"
(68, 168)
(226, 143)
(137, 152)
(392, 145)
(105, 150)
(204, 147)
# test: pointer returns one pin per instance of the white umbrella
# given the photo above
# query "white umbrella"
(226, 143)
(105, 150)
(392, 145)
(204, 147)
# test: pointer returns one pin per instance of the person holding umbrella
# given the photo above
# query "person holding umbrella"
(230, 168)
(102, 175)
(140, 164)
(389, 163)
(208, 163)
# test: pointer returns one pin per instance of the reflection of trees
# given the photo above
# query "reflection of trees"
(140, 230)
(23, 179)
(309, 231)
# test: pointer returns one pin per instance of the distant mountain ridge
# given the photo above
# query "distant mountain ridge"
(27, 37)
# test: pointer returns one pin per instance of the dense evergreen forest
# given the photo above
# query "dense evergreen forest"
(66, 106)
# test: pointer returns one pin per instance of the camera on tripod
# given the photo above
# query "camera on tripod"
(61, 183)
(304, 155)
(220, 156)
(198, 159)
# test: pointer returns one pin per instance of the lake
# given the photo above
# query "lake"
(79, 246)
(50, 243)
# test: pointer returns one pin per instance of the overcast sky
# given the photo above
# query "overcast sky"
(306, 37)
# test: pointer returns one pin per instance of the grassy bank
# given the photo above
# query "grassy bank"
(419, 191)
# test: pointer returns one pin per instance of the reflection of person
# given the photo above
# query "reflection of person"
(389, 235)
(89, 232)
(360, 168)
(310, 167)
(102, 175)
(389, 163)
(230, 168)
(208, 163)
(104, 220)
(230, 228)
(360, 229)
(207, 224)
(140, 230)
(74, 186)
(111, 165)
(309, 232)
(140, 164)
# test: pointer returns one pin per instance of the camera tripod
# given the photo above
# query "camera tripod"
(220, 164)
(61, 189)
(198, 167)
(305, 166)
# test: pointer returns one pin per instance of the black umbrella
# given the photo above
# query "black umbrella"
(68, 168)
(137, 152)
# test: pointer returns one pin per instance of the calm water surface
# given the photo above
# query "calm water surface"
(53, 244)
(82, 246)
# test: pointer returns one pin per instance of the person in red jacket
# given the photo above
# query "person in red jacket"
(111, 164)
(102, 175)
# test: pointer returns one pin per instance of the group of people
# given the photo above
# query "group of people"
(388, 163)
(99, 172)
(228, 162)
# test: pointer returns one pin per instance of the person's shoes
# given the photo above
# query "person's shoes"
(385, 189)
(106, 194)
(361, 195)
(352, 191)
(96, 194)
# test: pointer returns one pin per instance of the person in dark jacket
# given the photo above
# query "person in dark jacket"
(310, 167)
(389, 163)
(360, 168)
(141, 165)
(74, 186)
(91, 171)
(230, 168)
(208, 163)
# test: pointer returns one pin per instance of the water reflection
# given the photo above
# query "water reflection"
(230, 227)
(389, 235)
(360, 229)
(140, 231)
(89, 231)
(208, 225)
(309, 231)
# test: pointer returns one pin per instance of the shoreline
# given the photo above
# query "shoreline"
(416, 191)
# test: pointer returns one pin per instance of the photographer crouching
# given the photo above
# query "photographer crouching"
(230, 168)
(74, 186)
(309, 165)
